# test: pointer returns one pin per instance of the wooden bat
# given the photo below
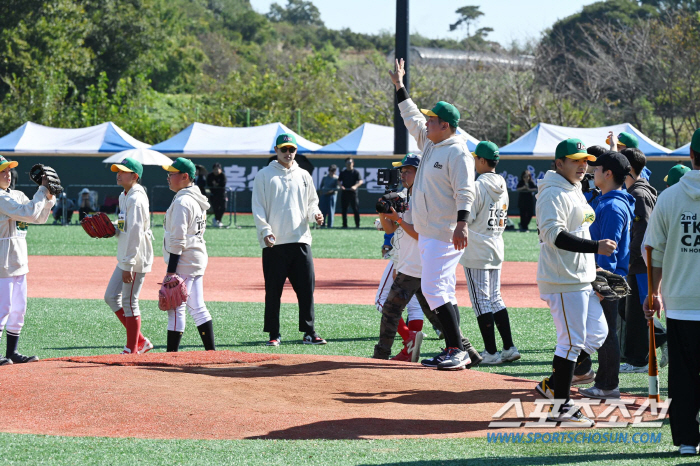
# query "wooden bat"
(653, 364)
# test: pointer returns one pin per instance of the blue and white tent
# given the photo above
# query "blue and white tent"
(683, 150)
(199, 138)
(543, 139)
(39, 139)
(371, 139)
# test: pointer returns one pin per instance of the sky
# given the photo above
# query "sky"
(511, 20)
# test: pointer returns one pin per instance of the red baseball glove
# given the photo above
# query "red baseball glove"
(98, 225)
(172, 293)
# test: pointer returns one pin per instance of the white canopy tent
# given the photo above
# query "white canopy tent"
(39, 139)
(199, 138)
(143, 155)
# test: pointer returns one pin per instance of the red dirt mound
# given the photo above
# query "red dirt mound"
(197, 358)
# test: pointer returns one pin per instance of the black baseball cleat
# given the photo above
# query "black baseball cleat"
(21, 359)
(313, 339)
(4, 361)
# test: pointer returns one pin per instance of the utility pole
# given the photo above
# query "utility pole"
(401, 51)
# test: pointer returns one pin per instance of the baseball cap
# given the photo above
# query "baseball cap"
(574, 149)
(129, 165)
(410, 160)
(626, 139)
(486, 150)
(181, 165)
(695, 142)
(4, 163)
(286, 139)
(613, 161)
(445, 111)
(675, 174)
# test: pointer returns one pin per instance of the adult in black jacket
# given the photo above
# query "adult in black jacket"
(526, 199)
(216, 182)
(350, 180)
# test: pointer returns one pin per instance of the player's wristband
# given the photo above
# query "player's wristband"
(172, 262)
(401, 95)
(399, 221)
(462, 215)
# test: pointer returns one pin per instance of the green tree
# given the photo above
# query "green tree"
(297, 12)
(468, 16)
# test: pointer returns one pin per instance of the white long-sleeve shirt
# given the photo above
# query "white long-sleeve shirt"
(16, 212)
(284, 202)
(134, 247)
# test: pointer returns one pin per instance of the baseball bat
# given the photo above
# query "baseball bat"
(653, 365)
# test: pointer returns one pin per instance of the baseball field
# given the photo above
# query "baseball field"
(296, 404)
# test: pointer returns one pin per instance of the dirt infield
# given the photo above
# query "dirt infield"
(249, 396)
(240, 279)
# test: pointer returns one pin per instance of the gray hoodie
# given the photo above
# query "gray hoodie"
(674, 235)
(134, 247)
(487, 221)
(184, 225)
(562, 207)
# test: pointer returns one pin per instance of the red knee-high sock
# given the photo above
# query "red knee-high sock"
(122, 318)
(133, 330)
(403, 329)
(415, 325)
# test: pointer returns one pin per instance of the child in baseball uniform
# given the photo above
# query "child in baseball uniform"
(185, 252)
(134, 254)
(16, 212)
(565, 270)
(483, 256)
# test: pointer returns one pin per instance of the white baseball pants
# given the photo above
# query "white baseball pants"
(120, 295)
(439, 261)
(485, 290)
(195, 305)
(13, 303)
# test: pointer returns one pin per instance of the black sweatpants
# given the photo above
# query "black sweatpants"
(218, 205)
(291, 261)
(684, 380)
(350, 198)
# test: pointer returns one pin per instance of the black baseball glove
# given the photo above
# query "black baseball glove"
(610, 285)
(37, 173)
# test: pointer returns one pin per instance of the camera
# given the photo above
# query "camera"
(389, 200)
(389, 177)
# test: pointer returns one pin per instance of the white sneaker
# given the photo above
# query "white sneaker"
(584, 379)
(147, 346)
(627, 368)
(688, 450)
(595, 392)
(571, 415)
(489, 358)
(511, 354)
(663, 362)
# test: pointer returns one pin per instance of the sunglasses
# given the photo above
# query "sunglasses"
(289, 149)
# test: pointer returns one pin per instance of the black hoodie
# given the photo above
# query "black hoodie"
(645, 199)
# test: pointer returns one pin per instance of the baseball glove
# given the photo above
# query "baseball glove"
(610, 285)
(98, 225)
(37, 173)
(171, 296)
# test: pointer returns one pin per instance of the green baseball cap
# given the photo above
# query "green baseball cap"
(129, 165)
(4, 163)
(286, 139)
(486, 150)
(445, 111)
(182, 165)
(626, 139)
(675, 174)
(574, 149)
(695, 142)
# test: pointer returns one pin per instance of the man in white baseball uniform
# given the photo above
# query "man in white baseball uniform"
(185, 252)
(565, 270)
(443, 194)
(483, 257)
(16, 212)
(134, 254)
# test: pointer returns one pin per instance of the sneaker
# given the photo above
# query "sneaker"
(511, 354)
(434, 361)
(145, 347)
(544, 389)
(21, 359)
(583, 379)
(439, 333)
(595, 392)
(488, 358)
(4, 361)
(412, 345)
(402, 356)
(455, 359)
(313, 339)
(663, 362)
(474, 357)
(688, 450)
(274, 341)
(627, 368)
(570, 414)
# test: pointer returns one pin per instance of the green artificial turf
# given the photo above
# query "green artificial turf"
(240, 240)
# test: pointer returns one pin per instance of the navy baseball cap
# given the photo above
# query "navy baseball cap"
(411, 160)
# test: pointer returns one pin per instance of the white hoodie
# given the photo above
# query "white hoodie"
(134, 247)
(674, 235)
(487, 221)
(284, 202)
(16, 211)
(562, 207)
(184, 225)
